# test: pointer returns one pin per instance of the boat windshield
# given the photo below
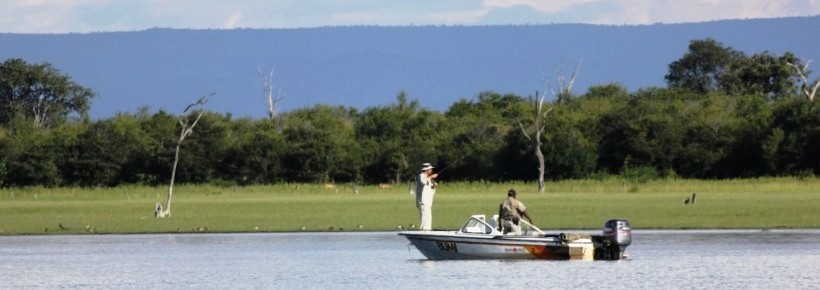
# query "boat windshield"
(528, 229)
(477, 225)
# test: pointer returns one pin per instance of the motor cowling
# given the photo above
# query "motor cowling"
(618, 235)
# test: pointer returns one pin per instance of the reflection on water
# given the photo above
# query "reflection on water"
(658, 259)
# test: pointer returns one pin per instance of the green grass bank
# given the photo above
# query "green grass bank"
(765, 203)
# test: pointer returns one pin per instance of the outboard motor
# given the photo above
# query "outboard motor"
(617, 236)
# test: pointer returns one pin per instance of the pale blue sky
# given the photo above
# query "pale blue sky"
(64, 16)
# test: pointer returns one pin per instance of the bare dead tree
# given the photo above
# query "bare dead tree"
(538, 125)
(803, 72)
(267, 87)
(163, 211)
(401, 164)
(40, 112)
(539, 122)
(565, 84)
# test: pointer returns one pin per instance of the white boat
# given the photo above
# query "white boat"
(480, 239)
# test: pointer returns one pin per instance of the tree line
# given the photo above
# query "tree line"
(723, 114)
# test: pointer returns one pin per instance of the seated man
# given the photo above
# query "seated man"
(509, 214)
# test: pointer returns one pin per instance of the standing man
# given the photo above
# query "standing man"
(425, 189)
(510, 212)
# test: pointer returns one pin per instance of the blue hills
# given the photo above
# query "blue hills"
(367, 66)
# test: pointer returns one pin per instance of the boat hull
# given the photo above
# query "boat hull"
(442, 245)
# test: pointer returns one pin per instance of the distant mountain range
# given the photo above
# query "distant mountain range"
(367, 66)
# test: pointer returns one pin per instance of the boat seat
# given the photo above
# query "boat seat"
(493, 222)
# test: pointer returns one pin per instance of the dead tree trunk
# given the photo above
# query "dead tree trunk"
(164, 210)
(538, 125)
(40, 112)
(267, 87)
(401, 164)
(809, 90)
(539, 122)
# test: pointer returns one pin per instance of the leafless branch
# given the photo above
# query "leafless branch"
(565, 84)
(803, 72)
(267, 87)
(524, 131)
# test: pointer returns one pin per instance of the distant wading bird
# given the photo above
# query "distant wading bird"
(687, 200)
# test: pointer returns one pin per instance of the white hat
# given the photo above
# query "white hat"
(426, 166)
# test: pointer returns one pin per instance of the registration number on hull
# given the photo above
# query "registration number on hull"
(447, 246)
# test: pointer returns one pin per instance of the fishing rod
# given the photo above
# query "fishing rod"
(457, 160)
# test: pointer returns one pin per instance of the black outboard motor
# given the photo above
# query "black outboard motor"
(617, 236)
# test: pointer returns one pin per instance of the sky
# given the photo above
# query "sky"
(83, 16)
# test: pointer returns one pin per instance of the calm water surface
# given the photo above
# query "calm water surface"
(383, 260)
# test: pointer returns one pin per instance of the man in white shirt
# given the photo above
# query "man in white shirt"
(425, 190)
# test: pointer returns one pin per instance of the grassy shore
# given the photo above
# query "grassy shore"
(738, 204)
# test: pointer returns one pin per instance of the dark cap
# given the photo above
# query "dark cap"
(511, 192)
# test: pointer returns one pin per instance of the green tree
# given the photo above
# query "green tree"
(647, 131)
(39, 92)
(795, 133)
(710, 126)
(154, 165)
(703, 67)
(255, 154)
(199, 156)
(105, 153)
(398, 138)
(29, 154)
(572, 136)
(472, 132)
(321, 144)
(762, 74)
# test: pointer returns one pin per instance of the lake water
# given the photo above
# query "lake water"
(788, 259)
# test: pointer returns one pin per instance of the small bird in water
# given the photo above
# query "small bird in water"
(399, 227)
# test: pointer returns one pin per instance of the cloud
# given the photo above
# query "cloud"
(673, 11)
(457, 17)
(548, 7)
(232, 20)
(514, 15)
(619, 12)
(61, 16)
(42, 16)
